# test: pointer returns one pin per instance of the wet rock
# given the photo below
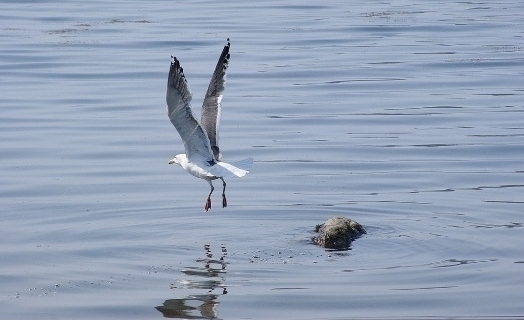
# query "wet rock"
(337, 233)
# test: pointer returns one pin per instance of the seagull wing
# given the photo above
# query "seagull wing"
(211, 108)
(178, 98)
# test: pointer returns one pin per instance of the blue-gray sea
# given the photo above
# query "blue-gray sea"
(406, 116)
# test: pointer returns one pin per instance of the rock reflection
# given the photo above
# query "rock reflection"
(209, 277)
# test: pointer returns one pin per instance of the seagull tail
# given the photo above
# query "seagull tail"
(245, 164)
(239, 168)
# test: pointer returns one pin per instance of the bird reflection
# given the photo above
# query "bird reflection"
(209, 277)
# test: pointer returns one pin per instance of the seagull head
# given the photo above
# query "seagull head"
(179, 159)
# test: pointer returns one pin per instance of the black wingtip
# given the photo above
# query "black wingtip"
(175, 64)
(174, 61)
(225, 55)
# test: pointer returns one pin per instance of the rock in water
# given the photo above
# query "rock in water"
(337, 233)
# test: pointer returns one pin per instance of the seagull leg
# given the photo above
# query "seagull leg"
(208, 201)
(224, 201)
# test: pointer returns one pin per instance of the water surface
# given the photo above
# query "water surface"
(407, 117)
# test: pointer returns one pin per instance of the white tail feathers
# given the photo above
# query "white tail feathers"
(245, 164)
(239, 169)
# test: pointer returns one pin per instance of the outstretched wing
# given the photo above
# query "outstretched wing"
(211, 108)
(178, 98)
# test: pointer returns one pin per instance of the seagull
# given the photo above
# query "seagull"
(202, 157)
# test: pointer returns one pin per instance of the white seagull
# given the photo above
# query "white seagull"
(202, 157)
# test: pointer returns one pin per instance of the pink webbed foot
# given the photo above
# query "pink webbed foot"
(224, 201)
(208, 204)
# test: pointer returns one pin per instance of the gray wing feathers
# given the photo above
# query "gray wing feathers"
(178, 100)
(211, 108)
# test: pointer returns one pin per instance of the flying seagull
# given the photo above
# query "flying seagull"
(202, 157)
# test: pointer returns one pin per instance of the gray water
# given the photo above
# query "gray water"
(406, 117)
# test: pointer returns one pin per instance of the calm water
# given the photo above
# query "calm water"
(407, 117)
